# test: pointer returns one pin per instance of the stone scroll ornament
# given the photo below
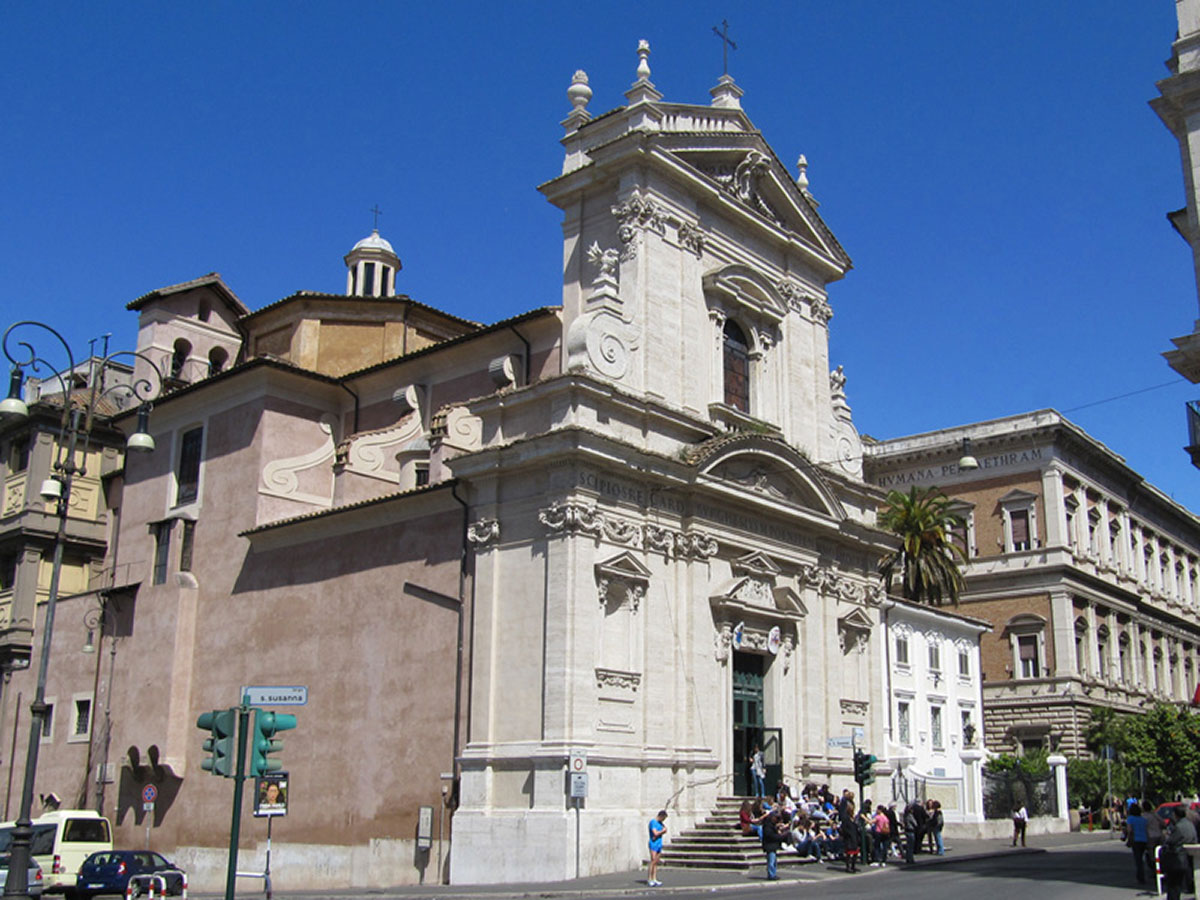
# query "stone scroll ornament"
(601, 339)
(281, 477)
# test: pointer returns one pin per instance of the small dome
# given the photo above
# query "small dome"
(374, 242)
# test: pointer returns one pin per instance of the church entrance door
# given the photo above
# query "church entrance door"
(749, 729)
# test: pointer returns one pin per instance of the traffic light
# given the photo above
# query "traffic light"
(263, 741)
(222, 724)
(864, 767)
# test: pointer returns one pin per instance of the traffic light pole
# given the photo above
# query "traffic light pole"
(239, 776)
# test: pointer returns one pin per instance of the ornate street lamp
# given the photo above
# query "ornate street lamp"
(79, 411)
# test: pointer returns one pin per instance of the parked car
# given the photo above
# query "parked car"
(1165, 811)
(35, 881)
(109, 871)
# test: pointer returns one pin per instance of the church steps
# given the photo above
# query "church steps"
(717, 843)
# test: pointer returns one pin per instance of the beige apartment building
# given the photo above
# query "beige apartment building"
(1089, 576)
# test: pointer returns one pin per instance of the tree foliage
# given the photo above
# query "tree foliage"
(1161, 745)
(927, 561)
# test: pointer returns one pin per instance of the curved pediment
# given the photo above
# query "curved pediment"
(769, 467)
(740, 285)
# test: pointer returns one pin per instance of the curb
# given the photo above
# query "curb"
(642, 888)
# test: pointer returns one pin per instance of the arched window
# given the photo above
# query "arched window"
(737, 367)
(179, 357)
(217, 357)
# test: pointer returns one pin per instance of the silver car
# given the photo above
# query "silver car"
(35, 875)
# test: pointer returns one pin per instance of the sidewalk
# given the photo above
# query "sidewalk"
(682, 880)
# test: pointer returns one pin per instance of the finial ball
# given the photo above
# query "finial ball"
(579, 93)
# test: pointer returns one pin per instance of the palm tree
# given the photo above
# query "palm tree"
(927, 559)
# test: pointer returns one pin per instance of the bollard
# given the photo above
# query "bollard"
(1158, 872)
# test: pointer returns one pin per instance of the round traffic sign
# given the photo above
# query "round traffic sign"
(149, 793)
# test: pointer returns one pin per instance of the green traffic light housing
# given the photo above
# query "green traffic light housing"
(263, 741)
(222, 726)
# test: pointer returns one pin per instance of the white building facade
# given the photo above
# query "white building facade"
(934, 682)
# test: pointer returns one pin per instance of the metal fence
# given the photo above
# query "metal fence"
(905, 790)
(1006, 792)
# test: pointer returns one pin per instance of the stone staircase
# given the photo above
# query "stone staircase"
(718, 843)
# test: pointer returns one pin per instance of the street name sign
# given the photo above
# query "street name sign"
(294, 695)
(841, 742)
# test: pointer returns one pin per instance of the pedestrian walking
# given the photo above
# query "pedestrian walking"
(758, 771)
(657, 830)
(851, 839)
(1135, 838)
(1175, 859)
(1020, 820)
(910, 831)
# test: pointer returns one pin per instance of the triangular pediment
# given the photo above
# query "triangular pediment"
(788, 601)
(748, 171)
(1016, 495)
(856, 619)
(624, 566)
(755, 563)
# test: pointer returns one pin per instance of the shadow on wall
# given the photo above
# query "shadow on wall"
(136, 773)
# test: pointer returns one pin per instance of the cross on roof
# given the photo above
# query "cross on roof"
(726, 43)
(378, 212)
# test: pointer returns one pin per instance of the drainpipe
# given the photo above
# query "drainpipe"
(462, 599)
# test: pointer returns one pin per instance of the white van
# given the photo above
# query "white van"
(62, 840)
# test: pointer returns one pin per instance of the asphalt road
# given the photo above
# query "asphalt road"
(1089, 870)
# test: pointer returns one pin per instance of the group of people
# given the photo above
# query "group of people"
(824, 827)
(1170, 827)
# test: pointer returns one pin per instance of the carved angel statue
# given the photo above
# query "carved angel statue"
(605, 260)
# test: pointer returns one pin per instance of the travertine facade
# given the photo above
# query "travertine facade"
(634, 525)
(1089, 576)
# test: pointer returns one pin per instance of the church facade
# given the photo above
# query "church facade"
(632, 528)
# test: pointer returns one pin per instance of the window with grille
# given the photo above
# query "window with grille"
(737, 367)
(905, 726)
(83, 716)
(188, 475)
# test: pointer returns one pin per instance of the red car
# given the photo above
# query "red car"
(1165, 811)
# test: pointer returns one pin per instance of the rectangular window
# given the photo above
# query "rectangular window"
(18, 455)
(83, 716)
(935, 726)
(964, 663)
(8, 571)
(188, 475)
(422, 473)
(1020, 529)
(369, 279)
(968, 730)
(162, 551)
(1027, 654)
(902, 720)
(935, 657)
(185, 546)
(48, 723)
(902, 650)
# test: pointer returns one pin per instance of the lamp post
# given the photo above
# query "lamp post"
(80, 406)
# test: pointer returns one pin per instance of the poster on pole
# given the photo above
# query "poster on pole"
(271, 794)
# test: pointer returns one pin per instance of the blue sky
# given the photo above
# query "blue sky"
(993, 170)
